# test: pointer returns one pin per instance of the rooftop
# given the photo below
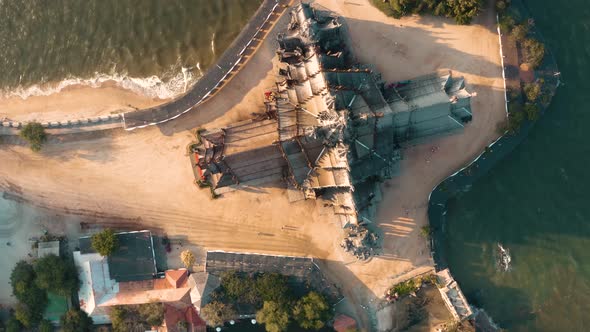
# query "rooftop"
(134, 258)
(48, 248)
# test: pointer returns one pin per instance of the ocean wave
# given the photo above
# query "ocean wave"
(169, 86)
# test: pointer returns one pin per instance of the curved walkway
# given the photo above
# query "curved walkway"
(231, 61)
(218, 75)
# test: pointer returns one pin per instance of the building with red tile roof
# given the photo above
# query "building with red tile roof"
(175, 289)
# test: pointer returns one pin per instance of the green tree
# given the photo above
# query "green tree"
(233, 285)
(56, 275)
(26, 315)
(124, 320)
(22, 273)
(507, 22)
(187, 258)
(34, 133)
(13, 325)
(152, 313)
(105, 242)
(464, 10)
(312, 311)
(216, 313)
(32, 299)
(137, 317)
(533, 52)
(75, 320)
(532, 91)
(274, 316)
(239, 289)
(273, 287)
(519, 32)
(45, 326)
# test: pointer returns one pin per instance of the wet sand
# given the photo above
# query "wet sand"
(75, 102)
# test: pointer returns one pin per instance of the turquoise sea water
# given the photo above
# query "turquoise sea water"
(151, 46)
(535, 202)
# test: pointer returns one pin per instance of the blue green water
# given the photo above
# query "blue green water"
(150, 46)
(535, 202)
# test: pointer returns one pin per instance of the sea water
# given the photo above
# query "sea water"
(536, 202)
(157, 48)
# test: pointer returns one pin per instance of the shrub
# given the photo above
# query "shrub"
(404, 288)
(502, 127)
(532, 91)
(105, 242)
(515, 120)
(425, 231)
(34, 133)
(532, 111)
(533, 52)
(513, 94)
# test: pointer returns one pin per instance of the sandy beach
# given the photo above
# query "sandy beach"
(144, 176)
(74, 102)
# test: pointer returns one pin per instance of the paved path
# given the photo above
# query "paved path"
(219, 74)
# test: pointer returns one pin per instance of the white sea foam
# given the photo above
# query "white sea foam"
(213, 44)
(153, 86)
(199, 68)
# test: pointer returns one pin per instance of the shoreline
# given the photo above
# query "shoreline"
(74, 102)
(107, 172)
(215, 78)
(465, 177)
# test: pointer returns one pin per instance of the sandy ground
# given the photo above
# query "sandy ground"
(145, 176)
(18, 224)
(75, 102)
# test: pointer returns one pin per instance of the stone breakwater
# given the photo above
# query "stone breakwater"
(238, 53)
